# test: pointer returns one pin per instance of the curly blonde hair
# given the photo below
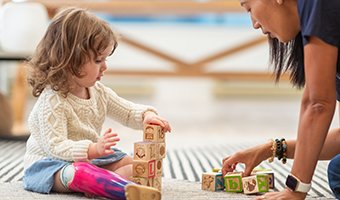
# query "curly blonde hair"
(73, 37)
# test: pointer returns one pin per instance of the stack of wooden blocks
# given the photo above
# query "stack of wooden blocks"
(259, 181)
(148, 157)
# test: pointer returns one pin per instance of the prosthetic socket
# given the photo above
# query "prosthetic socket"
(89, 179)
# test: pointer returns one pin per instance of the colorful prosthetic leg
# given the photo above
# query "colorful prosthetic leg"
(96, 181)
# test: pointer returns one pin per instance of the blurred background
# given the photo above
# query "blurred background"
(199, 62)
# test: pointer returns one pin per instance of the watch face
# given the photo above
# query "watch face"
(291, 182)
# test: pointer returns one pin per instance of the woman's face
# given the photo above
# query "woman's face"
(277, 18)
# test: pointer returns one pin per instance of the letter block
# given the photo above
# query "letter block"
(212, 181)
(233, 182)
(270, 173)
(143, 181)
(142, 168)
(145, 151)
(255, 184)
(153, 133)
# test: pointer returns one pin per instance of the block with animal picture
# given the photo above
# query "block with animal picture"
(143, 168)
(153, 133)
(145, 151)
(270, 173)
(212, 181)
(233, 182)
(257, 183)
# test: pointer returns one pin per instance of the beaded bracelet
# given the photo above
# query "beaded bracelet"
(284, 151)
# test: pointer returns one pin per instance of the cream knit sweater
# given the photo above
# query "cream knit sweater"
(63, 128)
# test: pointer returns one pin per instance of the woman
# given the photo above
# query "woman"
(304, 37)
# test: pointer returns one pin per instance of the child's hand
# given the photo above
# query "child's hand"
(103, 146)
(152, 118)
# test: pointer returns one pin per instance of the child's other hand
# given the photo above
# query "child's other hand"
(104, 144)
(152, 118)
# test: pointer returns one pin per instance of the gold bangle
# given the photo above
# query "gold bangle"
(273, 148)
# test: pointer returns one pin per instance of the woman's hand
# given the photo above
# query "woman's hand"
(284, 195)
(250, 157)
(152, 118)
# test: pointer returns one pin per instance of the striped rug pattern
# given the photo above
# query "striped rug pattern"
(184, 164)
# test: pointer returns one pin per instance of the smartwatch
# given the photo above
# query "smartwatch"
(295, 185)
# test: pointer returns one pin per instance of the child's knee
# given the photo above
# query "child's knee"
(67, 175)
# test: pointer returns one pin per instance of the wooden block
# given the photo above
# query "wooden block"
(157, 183)
(160, 150)
(233, 182)
(270, 173)
(159, 168)
(153, 133)
(255, 184)
(212, 181)
(143, 168)
(216, 169)
(145, 151)
(143, 181)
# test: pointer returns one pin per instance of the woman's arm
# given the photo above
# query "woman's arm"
(330, 148)
(317, 106)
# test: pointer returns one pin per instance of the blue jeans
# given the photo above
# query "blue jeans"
(39, 177)
(334, 175)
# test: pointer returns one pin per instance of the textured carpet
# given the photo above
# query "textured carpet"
(182, 171)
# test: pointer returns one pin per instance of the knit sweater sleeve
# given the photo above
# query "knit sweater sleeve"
(123, 111)
(48, 125)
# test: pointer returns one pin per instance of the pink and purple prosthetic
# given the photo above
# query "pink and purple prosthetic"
(96, 181)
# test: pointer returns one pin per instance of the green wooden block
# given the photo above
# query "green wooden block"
(257, 183)
(233, 182)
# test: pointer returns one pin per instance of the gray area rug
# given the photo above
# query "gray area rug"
(182, 170)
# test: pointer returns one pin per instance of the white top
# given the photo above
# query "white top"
(63, 128)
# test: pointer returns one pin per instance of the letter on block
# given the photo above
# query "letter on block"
(212, 181)
(255, 184)
(143, 181)
(233, 182)
(153, 133)
(145, 151)
(142, 168)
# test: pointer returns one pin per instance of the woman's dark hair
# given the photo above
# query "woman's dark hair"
(288, 57)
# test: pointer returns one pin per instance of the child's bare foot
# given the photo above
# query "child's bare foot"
(140, 192)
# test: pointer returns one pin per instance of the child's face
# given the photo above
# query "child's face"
(93, 70)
